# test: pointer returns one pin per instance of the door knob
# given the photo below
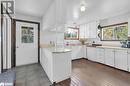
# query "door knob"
(17, 47)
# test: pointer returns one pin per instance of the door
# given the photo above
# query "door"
(129, 60)
(109, 57)
(100, 55)
(91, 53)
(26, 43)
(121, 59)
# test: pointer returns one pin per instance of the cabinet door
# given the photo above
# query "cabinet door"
(93, 30)
(84, 51)
(82, 31)
(129, 27)
(77, 52)
(129, 60)
(91, 53)
(109, 57)
(86, 31)
(100, 55)
(121, 59)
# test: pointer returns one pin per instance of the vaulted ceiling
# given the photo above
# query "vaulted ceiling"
(98, 7)
(32, 7)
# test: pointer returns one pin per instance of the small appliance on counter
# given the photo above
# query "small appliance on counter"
(124, 44)
(128, 42)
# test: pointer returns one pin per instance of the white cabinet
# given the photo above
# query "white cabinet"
(121, 59)
(109, 57)
(100, 55)
(57, 65)
(129, 27)
(129, 60)
(84, 51)
(88, 30)
(93, 29)
(91, 53)
(77, 52)
(82, 31)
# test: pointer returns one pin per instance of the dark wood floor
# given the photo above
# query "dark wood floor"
(84, 73)
(87, 73)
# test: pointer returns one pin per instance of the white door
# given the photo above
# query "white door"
(26, 43)
(100, 55)
(91, 53)
(121, 59)
(129, 60)
(109, 57)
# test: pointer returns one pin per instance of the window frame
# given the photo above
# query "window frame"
(101, 31)
(72, 38)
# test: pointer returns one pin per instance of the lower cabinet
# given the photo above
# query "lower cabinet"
(100, 55)
(77, 52)
(91, 53)
(109, 57)
(121, 61)
(129, 60)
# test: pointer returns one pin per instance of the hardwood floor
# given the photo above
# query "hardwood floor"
(87, 73)
(84, 73)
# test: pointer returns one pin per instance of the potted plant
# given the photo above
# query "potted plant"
(82, 40)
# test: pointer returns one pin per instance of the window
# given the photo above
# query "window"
(115, 32)
(71, 34)
(27, 34)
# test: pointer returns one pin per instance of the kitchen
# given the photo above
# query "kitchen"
(72, 42)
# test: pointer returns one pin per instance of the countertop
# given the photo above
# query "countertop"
(58, 50)
(111, 47)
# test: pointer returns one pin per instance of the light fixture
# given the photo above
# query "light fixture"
(82, 8)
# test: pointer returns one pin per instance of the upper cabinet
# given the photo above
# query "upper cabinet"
(129, 27)
(56, 15)
(89, 30)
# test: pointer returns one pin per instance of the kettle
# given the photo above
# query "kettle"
(128, 45)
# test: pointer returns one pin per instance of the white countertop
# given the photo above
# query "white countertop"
(58, 50)
(113, 47)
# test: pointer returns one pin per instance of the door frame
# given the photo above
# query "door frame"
(13, 48)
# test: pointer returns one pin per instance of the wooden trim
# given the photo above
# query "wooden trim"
(1, 38)
(14, 37)
(73, 38)
(114, 24)
(111, 26)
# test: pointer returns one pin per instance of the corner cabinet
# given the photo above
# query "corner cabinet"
(77, 52)
(121, 61)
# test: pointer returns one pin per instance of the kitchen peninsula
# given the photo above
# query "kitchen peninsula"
(57, 63)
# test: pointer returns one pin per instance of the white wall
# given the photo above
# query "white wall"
(27, 17)
(115, 20)
(47, 36)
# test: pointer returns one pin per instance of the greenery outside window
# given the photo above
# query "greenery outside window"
(117, 32)
(71, 34)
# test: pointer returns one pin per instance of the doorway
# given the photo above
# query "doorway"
(27, 42)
